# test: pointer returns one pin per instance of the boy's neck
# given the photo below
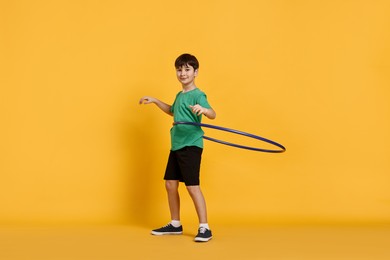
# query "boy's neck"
(187, 88)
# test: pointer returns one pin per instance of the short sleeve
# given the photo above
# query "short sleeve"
(174, 103)
(202, 100)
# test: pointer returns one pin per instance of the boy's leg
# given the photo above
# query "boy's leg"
(199, 202)
(204, 232)
(174, 227)
(172, 187)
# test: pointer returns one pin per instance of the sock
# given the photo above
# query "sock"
(205, 225)
(175, 223)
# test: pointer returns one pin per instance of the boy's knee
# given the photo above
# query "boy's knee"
(193, 189)
(171, 185)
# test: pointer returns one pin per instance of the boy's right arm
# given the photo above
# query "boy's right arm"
(163, 106)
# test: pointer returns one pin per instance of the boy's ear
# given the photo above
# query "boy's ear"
(196, 72)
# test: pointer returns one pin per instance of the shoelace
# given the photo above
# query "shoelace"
(202, 230)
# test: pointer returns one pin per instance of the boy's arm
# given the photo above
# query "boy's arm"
(208, 112)
(163, 106)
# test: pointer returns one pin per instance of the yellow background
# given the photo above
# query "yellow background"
(76, 147)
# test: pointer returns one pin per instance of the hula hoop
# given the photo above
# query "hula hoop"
(283, 149)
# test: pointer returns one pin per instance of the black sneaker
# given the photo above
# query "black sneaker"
(168, 230)
(203, 235)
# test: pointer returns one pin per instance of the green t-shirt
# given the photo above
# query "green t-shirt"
(187, 135)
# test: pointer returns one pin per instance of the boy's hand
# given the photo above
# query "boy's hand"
(147, 100)
(198, 109)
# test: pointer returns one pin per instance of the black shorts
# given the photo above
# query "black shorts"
(184, 165)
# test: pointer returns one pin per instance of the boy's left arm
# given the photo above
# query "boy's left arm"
(208, 112)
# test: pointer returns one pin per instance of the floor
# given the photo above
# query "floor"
(229, 242)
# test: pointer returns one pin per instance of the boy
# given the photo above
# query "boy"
(186, 147)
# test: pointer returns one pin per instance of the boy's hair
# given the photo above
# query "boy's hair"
(187, 60)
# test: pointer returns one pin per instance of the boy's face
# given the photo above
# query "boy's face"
(186, 74)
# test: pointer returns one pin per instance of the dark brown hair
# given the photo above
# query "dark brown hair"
(187, 60)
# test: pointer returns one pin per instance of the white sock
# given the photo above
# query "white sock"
(175, 223)
(204, 225)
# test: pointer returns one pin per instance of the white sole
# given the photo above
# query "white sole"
(199, 239)
(165, 233)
